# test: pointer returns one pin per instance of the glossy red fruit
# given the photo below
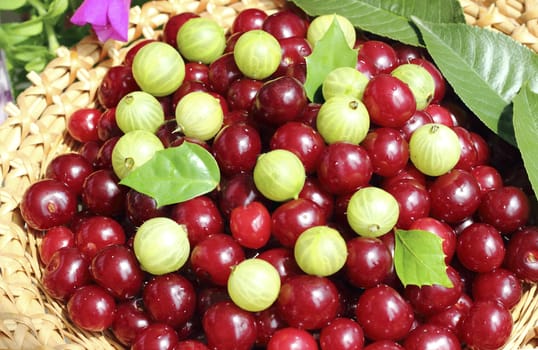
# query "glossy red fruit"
(388, 151)
(250, 225)
(384, 345)
(129, 321)
(242, 92)
(82, 124)
(140, 207)
(67, 270)
(102, 194)
(173, 25)
(91, 308)
(500, 284)
(190, 345)
(116, 269)
(441, 229)
(282, 260)
(389, 101)
(55, 238)
(439, 80)
(487, 326)
(285, 24)
(344, 168)
(212, 258)
(170, 299)
(71, 169)
(313, 191)
(201, 217)
(248, 19)
(291, 218)
(156, 336)
(48, 203)
(451, 317)
(341, 334)
(522, 254)
(413, 200)
(289, 338)
(380, 54)
(97, 232)
(369, 262)
(117, 82)
(384, 314)
(429, 336)
(237, 191)
(227, 327)
(506, 208)
(480, 247)
(268, 322)
(304, 141)
(308, 302)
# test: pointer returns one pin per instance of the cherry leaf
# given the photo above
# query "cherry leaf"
(330, 52)
(176, 174)
(485, 68)
(388, 18)
(526, 129)
(419, 259)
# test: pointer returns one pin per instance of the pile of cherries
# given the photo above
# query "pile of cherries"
(88, 219)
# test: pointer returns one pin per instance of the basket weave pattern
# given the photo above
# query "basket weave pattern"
(35, 133)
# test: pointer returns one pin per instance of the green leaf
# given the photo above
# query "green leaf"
(55, 11)
(323, 59)
(176, 174)
(485, 68)
(388, 18)
(419, 259)
(526, 129)
(20, 31)
(9, 5)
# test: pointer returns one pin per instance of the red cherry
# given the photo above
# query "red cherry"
(251, 225)
(91, 308)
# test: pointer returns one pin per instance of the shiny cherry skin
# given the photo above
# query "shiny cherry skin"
(71, 169)
(440, 114)
(228, 327)
(103, 158)
(480, 247)
(140, 207)
(522, 253)
(506, 208)
(190, 345)
(242, 92)
(285, 24)
(279, 101)
(214, 256)
(235, 191)
(294, 52)
(267, 323)
(248, 19)
(388, 151)
(55, 238)
(67, 270)
(304, 141)
(82, 124)
(282, 260)
(91, 308)
(468, 155)
(236, 148)
(48, 203)
(222, 72)
(384, 314)
(107, 126)
(369, 262)
(313, 191)
(89, 150)
(201, 217)
(156, 336)
(451, 317)
(430, 299)
(341, 334)
(116, 269)
(170, 299)
(308, 302)
(97, 232)
(117, 82)
(344, 168)
(384, 345)
(291, 218)
(129, 320)
(380, 54)
(250, 225)
(292, 338)
(429, 336)
(102, 194)
(454, 196)
(438, 79)
(487, 326)
(500, 284)
(389, 101)
(196, 71)
(418, 119)
(413, 200)
(441, 229)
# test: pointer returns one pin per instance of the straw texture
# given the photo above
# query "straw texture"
(35, 133)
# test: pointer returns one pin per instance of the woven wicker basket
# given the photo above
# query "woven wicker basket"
(35, 133)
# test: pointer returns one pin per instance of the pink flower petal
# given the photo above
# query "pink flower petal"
(91, 12)
(108, 18)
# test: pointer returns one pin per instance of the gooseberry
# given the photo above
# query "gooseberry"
(344, 81)
(254, 284)
(201, 40)
(419, 80)
(161, 245)
(320, 25)
(434, 149)
(257, 54)
(372, 212)
(279, 175)
(134, 149)
(343, 118)
(139, 110)
(320, 251)
(199, 115)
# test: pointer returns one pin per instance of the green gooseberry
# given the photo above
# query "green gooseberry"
(320, 25)
(419, 80)
(257, 54)
(132, 150)
(139, 110)
(343, 118)
(344, 81)
(199, 115)
(201, 40)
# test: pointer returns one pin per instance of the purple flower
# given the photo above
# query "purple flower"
(108, 18)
